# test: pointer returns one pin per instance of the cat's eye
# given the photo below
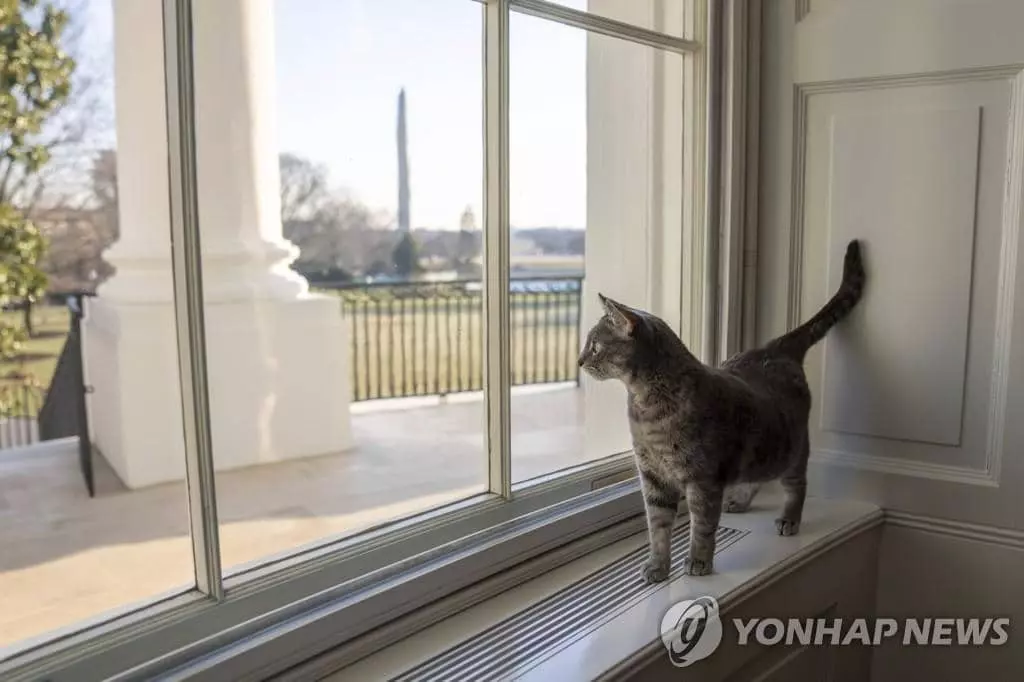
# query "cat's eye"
(595, 348)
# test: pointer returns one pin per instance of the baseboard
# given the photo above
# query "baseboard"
(992, 535)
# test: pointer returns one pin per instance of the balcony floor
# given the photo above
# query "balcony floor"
(65, 557)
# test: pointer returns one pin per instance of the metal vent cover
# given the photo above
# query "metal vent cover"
(556, 621)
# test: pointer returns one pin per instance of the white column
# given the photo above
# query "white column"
(277, 355)
(237, 152)
(142, 252)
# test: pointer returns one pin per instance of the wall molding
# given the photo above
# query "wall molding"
(1012, 205)
(901, 467)
(992, 535)
(1013, 197)
(803, 92)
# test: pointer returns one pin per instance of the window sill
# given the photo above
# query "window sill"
(627, 636)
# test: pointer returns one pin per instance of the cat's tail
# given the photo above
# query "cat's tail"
(797, 342)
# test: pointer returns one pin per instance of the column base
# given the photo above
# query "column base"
(278, 383)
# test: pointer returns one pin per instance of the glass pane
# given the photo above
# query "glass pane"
(101, 202)
(663, 16)
(340, 180)
(595, 127)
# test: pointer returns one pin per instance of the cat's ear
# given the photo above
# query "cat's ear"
(623, 317)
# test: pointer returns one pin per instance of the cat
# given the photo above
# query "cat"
(713, 436)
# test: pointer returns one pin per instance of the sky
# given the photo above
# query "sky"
(340, 65)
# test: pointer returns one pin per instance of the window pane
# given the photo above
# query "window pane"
(340, 180)
(101, 201)
(595, 129)
(663, 16)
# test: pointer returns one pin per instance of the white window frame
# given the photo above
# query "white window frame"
(307, 602)
(739, 76)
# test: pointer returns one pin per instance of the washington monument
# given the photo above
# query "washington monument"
(403, 167)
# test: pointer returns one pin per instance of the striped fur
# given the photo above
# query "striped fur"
(797, 342)
(713, 435)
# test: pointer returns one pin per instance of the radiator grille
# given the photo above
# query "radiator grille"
(556, 621)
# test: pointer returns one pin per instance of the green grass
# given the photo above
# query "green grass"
(435, 350)
(25, 376)
(37, 358)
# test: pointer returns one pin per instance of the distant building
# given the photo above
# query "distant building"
(467, 221)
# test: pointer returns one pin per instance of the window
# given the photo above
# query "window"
(75, 545)
(351, 333)
(596, 160)
(345, 382)
(663, 17)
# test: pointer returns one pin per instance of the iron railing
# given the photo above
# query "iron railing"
(63, 413)
(18, 426)
(426, 338)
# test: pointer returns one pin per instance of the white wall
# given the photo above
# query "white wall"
(903, 124)
(938, 570)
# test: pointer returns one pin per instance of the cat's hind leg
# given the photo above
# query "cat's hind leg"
(794, 485)
(739, 496)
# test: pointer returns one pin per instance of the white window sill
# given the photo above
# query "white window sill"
(603, 648)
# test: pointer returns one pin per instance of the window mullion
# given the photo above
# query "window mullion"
(497, 331)
(738, 250)
(186, 264)
(732, 143)
(713, 180)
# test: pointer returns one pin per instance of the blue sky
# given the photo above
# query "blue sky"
(341, 63)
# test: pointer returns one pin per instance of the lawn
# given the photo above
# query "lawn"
(38, 356)
(24, 377)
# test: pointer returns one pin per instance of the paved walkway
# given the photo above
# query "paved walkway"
(65, 557)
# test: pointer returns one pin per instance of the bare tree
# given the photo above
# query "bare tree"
(332, 229)
(73, 134)
(103, 179)
(79, 235)
(304, 188)
(74, 201)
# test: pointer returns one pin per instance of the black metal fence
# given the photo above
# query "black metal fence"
(21, 401)
(426, 338)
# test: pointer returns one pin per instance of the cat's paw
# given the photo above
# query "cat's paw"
(787, 527)
(738, 497)
(736, 506)
(696, 566)
(654, 572)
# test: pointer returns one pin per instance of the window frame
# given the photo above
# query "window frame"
(409, 563)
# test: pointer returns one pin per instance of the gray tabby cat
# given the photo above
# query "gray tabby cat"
(698, 431)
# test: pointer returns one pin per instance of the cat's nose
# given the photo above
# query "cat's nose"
(579, 361)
